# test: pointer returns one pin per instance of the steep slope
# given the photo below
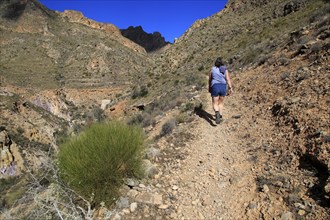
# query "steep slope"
(278, 55)
(283, 41)
(44, 49)
(51, 60)
(58, 72)
(228, 33)
(246, 34)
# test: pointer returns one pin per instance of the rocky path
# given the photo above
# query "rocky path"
(215, 181)
(230, 171)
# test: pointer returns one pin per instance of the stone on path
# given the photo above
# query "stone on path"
(149, 198)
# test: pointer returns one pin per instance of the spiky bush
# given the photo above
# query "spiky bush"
(168, 127)
(95, 163)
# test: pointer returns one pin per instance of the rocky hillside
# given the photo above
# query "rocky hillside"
(62, 71)
(45, 49)
(150, 42)
(278, 55)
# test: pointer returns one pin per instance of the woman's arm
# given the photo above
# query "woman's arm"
(210, 80)
(229, 83)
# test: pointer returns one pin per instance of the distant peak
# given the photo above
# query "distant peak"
(150, 42)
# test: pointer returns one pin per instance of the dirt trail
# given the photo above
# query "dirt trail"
(216, 179)
(212, 174)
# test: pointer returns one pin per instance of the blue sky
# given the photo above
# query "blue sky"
(169, 17)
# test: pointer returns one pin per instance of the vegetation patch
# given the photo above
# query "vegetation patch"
(168, 127)
(11, 189)
(141, 91)
(95, 162)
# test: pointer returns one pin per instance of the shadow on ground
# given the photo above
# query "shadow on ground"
(205, 115)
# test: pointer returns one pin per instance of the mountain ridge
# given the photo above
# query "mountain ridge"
(58, 35)
(150, 41)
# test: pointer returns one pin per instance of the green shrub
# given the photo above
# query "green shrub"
(317, 47)
(136, 120)
(95, 162)
(195, 80)
(182, 117)
(250, 56)
(15, 192)
(188, 106)
(143, 120)
(148, 120)
(141, 91)
(168, 127)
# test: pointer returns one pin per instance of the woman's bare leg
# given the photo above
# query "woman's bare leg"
(215, 103)
(221, 101)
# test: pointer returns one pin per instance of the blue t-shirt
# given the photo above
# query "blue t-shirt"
(218, 75)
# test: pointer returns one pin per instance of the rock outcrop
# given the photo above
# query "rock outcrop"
(11, 161)
(150, 42)
(112, 30)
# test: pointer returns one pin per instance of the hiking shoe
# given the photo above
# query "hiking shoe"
(218, 118)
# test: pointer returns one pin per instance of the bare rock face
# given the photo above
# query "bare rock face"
(292, 7)
(78, 17)
(11, 162)
(150, 42)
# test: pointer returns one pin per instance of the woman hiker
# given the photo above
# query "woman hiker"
(218, 80)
